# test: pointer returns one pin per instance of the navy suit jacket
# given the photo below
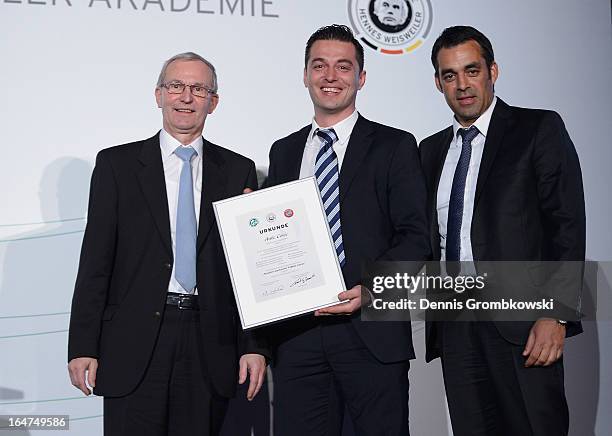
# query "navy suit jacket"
(382, 212)
(529, 203)
(126, 263)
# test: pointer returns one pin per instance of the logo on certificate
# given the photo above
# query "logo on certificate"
(271, 217)
(391, 26)
(253, 222)
(288, 213)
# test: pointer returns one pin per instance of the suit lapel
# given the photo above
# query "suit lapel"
(445, 140)
(442, 146)
(356, 151)
(500, 121)
(153, 185)
(214, 186)
(294, 155)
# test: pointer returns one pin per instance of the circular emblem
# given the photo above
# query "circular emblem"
(253, 222)
(271, 217)
(288, 213)
(391, 26)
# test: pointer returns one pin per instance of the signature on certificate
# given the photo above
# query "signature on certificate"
(302, 280)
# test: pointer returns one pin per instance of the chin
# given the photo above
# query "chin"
(469, 118)
(466, 112)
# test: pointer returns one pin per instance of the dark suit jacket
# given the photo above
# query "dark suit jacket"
(382, 207)
(529, 203)
(126, 263)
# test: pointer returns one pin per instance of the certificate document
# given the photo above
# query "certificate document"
(279, 252)
(283, 248)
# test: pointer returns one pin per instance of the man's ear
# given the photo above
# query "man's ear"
(438, 84)
(158, 96)
(214, 101)
(362, 79)
(494, 72)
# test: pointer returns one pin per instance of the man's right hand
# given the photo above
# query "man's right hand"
(78, 368)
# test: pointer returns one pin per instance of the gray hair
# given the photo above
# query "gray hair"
(188, 56)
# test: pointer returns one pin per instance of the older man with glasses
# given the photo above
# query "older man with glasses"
(154, 327)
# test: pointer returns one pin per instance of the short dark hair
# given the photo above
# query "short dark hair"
(334, 32)
(453, 36)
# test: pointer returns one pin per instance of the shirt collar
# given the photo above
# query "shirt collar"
(482, 123)
(343, 129)
(169, 143)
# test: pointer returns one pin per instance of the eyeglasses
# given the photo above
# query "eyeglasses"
(179, 87)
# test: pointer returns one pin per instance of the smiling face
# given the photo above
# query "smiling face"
(391, 12)
(184, 114)
(333, 78)
(466, 81)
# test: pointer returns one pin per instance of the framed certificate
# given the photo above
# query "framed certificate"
(279, 251)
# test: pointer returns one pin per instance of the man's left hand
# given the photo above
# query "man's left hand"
(545, 343)
(255, 366)
(352, 303)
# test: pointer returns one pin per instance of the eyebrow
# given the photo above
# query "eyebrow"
(339, 61)
(466, 67)
(184, 83)
(472, 65)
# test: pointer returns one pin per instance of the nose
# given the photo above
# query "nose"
(462, 81)
(330, 74)
(186, 95)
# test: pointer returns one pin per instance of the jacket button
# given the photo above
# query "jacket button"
(157, 314)
(168, 265)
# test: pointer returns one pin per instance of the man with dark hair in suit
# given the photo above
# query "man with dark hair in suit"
(154, 325)
(504, 184)
(374, 196)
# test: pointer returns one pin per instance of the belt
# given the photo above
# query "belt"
(183, 301)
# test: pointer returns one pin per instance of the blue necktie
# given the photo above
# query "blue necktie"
(327, 174)
(455, 206)
(186, 225)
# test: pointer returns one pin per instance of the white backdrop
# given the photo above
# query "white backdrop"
(78, 75)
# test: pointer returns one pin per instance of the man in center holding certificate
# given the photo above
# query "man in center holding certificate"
(374, 196)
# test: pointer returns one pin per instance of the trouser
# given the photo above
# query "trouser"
(174, 398)
(489, 390)
(327, 367)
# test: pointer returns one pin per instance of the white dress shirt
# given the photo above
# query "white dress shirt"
(446, 183)
(172, 173)
(343, 130)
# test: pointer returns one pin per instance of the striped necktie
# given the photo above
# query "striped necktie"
(327, 174)
(455, 205)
